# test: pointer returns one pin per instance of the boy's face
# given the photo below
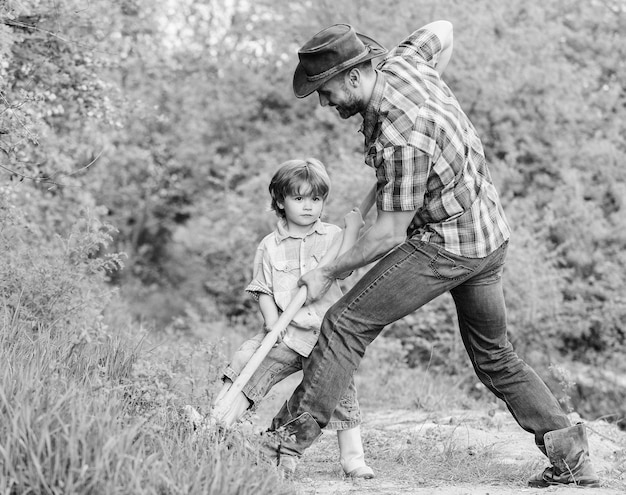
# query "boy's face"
(302, 211)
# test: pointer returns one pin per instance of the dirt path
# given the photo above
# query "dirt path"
(390, 437)
(469, 431)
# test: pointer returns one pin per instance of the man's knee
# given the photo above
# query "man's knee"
(503, 361)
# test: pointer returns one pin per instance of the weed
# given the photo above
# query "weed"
(566, 383)
(384, 377)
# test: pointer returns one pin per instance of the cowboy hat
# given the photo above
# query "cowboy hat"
(330, 52)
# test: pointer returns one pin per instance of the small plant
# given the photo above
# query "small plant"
(566, 383)
(384, 374)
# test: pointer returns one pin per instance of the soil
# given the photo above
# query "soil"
(319, 472)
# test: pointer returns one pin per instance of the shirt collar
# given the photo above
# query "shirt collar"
(372, 111)
(282, 233)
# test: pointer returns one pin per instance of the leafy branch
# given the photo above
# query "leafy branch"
(52, 180)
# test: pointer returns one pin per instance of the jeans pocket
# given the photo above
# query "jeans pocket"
(446, 267)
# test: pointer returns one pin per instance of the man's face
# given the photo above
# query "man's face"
(336, 93)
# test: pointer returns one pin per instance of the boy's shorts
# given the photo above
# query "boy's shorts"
(280, 363)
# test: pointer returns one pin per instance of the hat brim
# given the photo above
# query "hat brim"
(302, 87)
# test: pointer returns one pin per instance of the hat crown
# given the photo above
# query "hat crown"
(330, 48)
(330, 52)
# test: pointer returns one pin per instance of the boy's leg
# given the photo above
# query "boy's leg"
(352, 455)
(346, 419)
(240, 403)
(280, 362)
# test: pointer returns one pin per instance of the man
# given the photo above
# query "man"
(440, 228)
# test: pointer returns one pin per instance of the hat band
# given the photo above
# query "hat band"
(340, 67)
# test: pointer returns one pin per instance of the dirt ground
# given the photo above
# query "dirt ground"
(319, 472)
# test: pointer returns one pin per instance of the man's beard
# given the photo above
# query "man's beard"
(352, 106)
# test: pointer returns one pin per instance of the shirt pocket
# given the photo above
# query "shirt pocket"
(315, 260)
(285, 275)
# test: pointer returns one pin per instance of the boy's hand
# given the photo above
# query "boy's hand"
(354, 219)
(279, 338)
(268, 328)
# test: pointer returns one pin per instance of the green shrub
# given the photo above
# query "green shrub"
(89, 404)
(51, 281)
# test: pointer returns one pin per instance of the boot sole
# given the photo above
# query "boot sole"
(547, 484)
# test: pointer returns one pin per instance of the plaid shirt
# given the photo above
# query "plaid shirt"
(280, 260)
(428, 156)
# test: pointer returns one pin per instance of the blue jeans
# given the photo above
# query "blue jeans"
(280, 363)
(404, 280)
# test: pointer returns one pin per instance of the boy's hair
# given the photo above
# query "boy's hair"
(298, 177)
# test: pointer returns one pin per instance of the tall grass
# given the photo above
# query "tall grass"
(58, 425)
(70, 422)
(88, 403)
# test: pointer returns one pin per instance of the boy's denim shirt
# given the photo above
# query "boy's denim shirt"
(280, 260)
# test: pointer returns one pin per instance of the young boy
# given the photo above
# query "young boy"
(299, 190)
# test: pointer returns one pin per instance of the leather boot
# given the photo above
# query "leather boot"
(286, 444)
(568, 451)
(352, 457)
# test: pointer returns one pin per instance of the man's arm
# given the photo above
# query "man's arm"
(443, 31)
(388, 231)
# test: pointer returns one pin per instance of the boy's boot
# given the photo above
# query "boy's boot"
(352, 457)
(284, 445)
(568, 451)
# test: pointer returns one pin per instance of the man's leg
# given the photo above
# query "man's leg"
(481, 313)
(482, 322)
(397, 285)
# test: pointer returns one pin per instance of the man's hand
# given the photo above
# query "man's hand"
(317, 282)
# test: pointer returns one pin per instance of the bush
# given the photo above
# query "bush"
(49, 281)
(90, 408)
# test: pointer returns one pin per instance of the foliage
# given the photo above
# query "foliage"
(385, 371)
(152, 128)
(52, 281)
(82, 408)
(80, 418)
(166, 119)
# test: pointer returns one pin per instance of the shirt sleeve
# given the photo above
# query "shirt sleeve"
(261, 274)
(403, 174)
(421, 44)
